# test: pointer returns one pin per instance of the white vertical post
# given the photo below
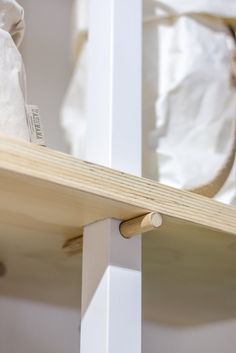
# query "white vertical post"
(111, 285)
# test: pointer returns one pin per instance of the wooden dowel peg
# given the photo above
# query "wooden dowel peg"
(140, 225)
(74, 245)
(128, 229)
(3, 269)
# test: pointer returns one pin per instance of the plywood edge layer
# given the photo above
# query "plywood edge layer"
(54, 167)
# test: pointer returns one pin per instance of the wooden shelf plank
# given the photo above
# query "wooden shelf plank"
(70, 192)
(46, 197)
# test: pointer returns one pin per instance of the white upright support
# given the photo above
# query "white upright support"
(111, 284)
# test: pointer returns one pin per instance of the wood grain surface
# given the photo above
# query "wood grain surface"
(46, 197)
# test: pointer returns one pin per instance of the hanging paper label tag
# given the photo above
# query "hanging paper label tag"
(35, 125)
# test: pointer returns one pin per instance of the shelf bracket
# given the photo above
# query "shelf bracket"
(128, 229)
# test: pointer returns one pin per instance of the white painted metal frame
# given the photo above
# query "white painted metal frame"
(111, 285)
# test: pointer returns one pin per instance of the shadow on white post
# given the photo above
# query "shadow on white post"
(111, 285)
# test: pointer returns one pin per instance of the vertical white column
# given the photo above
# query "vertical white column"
(111, 285)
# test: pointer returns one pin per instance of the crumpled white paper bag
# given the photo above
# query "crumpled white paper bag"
(74, 111)
(12, 75)
(189, 103)
(74, 108)
(189, 130)
(189, 120)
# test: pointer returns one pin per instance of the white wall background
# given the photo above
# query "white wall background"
(34, 327)
(213, 338)
(31, 327)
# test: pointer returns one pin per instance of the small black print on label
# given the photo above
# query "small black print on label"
(35, 125)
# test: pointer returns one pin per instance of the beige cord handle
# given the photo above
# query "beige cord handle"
(211, 189)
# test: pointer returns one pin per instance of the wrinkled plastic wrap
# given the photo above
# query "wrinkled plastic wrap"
(189, 100)
(12, 75)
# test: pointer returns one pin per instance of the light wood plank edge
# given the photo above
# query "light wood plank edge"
(42, 163)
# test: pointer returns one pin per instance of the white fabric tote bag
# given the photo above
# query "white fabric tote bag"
(12, 75)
